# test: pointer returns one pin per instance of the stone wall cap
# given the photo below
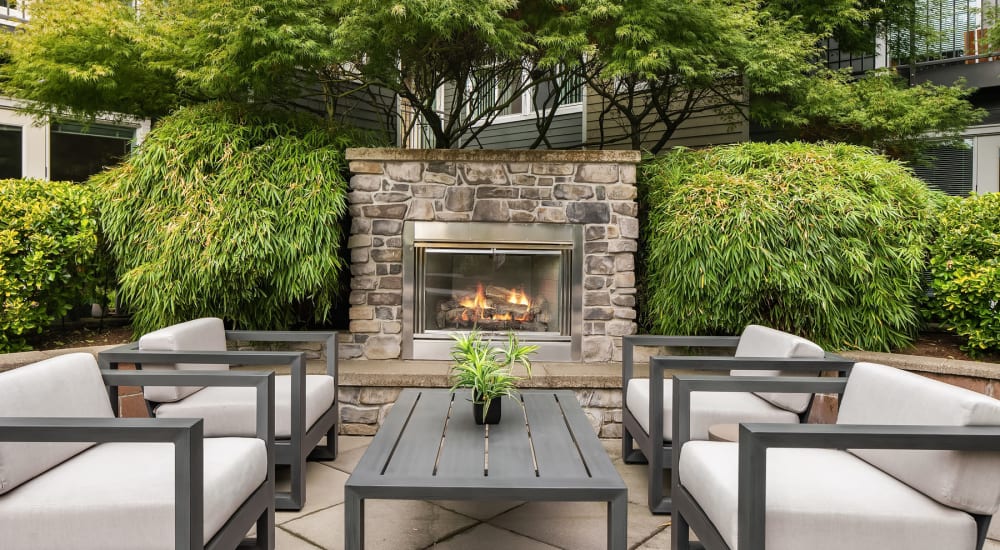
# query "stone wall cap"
(935, 365)
(492, 155)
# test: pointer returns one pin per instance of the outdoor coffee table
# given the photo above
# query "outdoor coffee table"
(429, 448)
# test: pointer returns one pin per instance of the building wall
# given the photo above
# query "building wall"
(36, 158)
(711, 127)
(565, 132)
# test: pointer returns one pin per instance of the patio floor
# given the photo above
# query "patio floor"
(415, 525)
(449, 525)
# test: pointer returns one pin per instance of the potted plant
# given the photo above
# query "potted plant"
(487, 369)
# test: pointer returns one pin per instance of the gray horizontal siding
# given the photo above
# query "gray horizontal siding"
(710, 127)
(365, 109)
(564, 133)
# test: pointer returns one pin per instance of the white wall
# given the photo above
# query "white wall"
(35, 154)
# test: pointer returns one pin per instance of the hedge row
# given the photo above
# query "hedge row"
(965, 270)
(238, 214)
(48, 255)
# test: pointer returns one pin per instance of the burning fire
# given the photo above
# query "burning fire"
(479, 304)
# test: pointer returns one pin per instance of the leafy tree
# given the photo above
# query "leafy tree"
(259, 50)
(658, 63)
(83, 58)
(478, 50)
(878, 110)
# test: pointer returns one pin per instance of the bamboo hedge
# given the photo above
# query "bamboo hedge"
(228, 211)
(825, 241)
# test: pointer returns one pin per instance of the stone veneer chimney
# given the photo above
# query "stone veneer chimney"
(595, 189)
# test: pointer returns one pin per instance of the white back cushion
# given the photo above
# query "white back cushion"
(758, 341)
(877, 394)
(65, 386)
(206, 334)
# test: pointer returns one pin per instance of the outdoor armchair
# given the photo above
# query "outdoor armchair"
(306, 408)
(647, 408)
(74, 476)
(919, 472)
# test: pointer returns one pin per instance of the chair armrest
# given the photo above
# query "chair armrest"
(129, 353)
(684, 385)
(657, 366)
(263, 382)
(184, 433)
(629, 343)
(329, 339)
(756, 439)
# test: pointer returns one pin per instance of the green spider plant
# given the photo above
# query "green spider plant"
(487, 368)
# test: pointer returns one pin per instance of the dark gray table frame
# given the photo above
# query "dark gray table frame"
(653, 450)
(186, 436)
(303, 443)
(417, 455)
(756, 438)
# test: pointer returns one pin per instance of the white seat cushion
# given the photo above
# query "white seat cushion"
(877, 394)
(758, 341)
(707, 409)
(230, 411)
(65, 386)
(823, 499)
(121, 496)
(206, 334)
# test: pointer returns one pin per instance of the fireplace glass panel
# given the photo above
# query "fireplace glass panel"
(493, 290)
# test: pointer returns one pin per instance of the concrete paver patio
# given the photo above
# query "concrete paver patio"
(457, 525)
(454, 525)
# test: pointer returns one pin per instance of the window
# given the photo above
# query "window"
(949, 169)
(570, 86)
(11, 145)
(78, 152)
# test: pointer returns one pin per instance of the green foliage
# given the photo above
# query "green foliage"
(231, 212)
(652, 78)
(826, 241)
(965, 270)
(48, 244)
(83, 58)
(486, 368)
(415, 47)
(878, 110)
(261, 50)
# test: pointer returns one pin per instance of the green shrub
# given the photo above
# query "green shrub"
(230, 212)
(48, 245)
(965, 270)
(825, 241)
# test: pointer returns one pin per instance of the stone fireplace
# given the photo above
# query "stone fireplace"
(540, 243)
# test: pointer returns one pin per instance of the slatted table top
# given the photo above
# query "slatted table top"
(430, 447)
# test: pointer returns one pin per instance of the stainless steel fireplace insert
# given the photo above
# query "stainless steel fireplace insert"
(495, 278)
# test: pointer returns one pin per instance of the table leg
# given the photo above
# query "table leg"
(354, 520)
(618, 522)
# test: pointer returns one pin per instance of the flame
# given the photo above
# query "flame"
(518, 297)
(476, 306)
(477, 303)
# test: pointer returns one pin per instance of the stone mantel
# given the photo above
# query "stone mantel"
(594, 190)
(492, 155)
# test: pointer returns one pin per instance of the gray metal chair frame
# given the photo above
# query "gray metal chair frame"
(303, 444)
(653, 450)
(756, 438)
(187, 437)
